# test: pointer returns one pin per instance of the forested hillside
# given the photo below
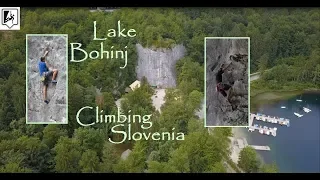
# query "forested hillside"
(285, 38)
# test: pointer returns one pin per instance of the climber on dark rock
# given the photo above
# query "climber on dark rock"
(45, 72)
(219, 74)
(221, 70)
(222, 87)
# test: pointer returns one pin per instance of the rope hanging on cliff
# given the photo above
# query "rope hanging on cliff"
(52, 63)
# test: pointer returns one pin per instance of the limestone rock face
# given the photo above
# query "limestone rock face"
(158, 66)
(38, 111)
(233, 109)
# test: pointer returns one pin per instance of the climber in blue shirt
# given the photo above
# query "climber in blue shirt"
(45, 74)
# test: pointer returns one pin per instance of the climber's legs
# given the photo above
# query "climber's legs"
(55, 72)
(222, 88)
(226, 87)
(45, 94)
(223, 92)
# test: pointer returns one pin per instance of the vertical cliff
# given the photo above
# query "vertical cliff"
(233, 109)
(38, 111)
(158, 66)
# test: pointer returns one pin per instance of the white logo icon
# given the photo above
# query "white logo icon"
(10, 18)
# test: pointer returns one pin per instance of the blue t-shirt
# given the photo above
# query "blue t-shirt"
(42, 67)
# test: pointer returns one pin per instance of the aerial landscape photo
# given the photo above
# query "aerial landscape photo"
(164, 79)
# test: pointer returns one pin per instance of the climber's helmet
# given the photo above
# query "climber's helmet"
(42, 59)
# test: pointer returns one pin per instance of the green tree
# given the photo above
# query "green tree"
(13, 167)
(110, 158)
(269, 168)
(135, 162)
(218, 167)
(52, 133)
(200, 150)
(30, 130)
(194, 100)
(248, 160)
(194, 125)
(68, 155)
(160, 167)
(316, 78)
(89, 162)
(263, 63)
(37, 154)
(180, 161)
(190, 76)
(12, 157)
(90, 138)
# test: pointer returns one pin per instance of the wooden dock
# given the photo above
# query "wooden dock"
(272, 119)
(261, 148)
(262, 130)
(242, 143)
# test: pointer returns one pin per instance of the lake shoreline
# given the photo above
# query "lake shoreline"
(312, 90)
(285, 92)
(240, 133)
(271, 97)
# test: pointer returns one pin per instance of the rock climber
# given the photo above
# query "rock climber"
(45, 72)
(222, 87)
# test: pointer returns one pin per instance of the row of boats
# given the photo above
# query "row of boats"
(276, 120)
(271, 119)
(306, 110)
(264, 130)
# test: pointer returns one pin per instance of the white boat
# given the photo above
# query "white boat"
(300, 100)
(283, 107)
(261, 131)
(306, 109)
(297, 114)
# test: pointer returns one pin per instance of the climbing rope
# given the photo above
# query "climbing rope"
(40, 93)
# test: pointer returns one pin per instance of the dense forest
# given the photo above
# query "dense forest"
(286, 39)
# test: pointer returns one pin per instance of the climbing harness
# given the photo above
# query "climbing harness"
(43, 77)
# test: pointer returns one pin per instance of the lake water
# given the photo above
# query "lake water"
(295, 148)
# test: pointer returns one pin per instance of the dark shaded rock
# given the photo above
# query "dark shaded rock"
(233, 109)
